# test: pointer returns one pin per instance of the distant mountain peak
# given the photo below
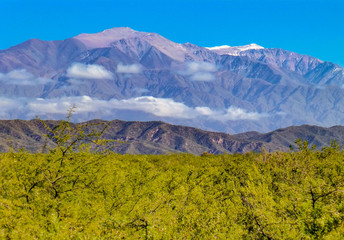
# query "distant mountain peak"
(108, 37)
(225, 88)
(105, 38)
(228, 50)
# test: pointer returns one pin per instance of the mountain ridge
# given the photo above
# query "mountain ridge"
(157, 137)
(214, 91)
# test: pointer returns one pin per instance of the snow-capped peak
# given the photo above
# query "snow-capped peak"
(228, 50)
(219, 47)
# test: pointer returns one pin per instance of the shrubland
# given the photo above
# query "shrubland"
(76, 192)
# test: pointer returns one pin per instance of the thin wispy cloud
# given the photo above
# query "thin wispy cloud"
(129, 69)
(195, 67)
(90, 71)
(22, 77)
(72, 84)
(200, 71)
(140, 90)
(202, 76)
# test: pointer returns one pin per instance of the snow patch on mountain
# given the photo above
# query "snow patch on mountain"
(234, 51)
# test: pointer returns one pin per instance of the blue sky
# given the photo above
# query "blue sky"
(313, 27)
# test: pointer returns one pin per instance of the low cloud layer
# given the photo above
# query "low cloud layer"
(159, 107)
(83, 71)
(166, 107)
(200, 71)
(22, 77)
(129, 69)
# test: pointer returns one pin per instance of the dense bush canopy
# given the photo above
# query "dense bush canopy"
(83, 195)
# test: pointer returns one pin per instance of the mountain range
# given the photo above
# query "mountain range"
(156, 137)
(125, 74)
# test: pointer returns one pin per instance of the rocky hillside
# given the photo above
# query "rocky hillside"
(162, 138)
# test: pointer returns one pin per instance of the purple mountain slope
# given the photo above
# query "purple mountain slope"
(122, 73)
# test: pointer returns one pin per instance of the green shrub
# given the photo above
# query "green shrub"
(74, 193)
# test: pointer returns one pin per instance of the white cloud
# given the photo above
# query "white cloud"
(195, 67)
(200, 71)
(159, 107)
(84, 104)
(23, 78)
(232, 113)
(235, 113)
(20, 74)
(79, 71)
(202, 76)
(131, 69)
(204, 111)
(8, 106)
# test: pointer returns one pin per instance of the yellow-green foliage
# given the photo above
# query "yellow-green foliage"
(83, 195)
